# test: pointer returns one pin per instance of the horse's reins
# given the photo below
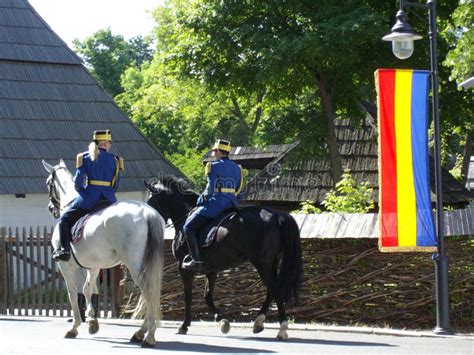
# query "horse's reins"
(54, 199)
(169, 224)
(179, 220)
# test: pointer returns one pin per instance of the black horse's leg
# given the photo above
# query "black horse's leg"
(268, 273)
(208, 295)
(258, 325)
(187, 277)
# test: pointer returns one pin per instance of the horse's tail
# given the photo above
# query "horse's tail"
(291, 267)
(151, 273)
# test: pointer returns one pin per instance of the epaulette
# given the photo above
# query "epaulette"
(79, 160)
(208, 168)
(121, 164)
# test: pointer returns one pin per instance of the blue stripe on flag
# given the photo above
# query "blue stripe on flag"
(426, 235)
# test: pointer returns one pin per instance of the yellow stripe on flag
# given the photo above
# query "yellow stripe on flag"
(406, 200)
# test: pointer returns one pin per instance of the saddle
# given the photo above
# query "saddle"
(209, 233)
(77, 230)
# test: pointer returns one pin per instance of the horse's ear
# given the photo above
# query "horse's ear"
(149, 183)
(49, 168)
(62, 163)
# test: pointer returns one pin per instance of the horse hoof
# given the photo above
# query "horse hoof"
(135, 339)
(145, 344)
(259, 324)
(225, 326)
(258, 329)
(182, 330)
(71, 334)
(93, 326)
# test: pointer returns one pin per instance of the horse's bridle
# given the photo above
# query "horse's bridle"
(54, 205)
(179, 220)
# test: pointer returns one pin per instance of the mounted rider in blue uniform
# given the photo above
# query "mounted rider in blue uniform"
(97, 178)
(224, 183)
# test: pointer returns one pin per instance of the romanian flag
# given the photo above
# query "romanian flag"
(405, 217)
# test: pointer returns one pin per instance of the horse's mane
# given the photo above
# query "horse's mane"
(170, 181)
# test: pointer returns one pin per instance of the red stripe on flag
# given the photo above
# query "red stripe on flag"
(389, 226)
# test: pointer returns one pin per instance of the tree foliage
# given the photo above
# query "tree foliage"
(108, 56)
(459, 34)
(346, 197)
(270, 72)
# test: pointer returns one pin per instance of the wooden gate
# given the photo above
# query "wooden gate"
(31, 283)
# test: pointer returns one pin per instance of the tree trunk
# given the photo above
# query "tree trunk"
(329, 116)
(466, 157)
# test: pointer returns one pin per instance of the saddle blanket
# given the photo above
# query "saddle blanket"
(77, 231)
(209, 233)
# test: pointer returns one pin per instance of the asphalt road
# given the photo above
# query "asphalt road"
(44, 335)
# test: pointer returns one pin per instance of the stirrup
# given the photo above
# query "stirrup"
(193, 265)
(61, 255)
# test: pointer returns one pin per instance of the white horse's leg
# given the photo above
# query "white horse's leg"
(139, 335)
(144, 282)
(150, 340)
(90, 288)
(67, 270)
(282, 334)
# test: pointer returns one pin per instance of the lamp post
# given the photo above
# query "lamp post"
(402, 37)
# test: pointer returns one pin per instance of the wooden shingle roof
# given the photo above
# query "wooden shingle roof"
(50, 104)
(293, 180)
(254, 158)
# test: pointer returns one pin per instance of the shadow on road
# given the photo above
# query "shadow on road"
(181, 346)
(312, 341)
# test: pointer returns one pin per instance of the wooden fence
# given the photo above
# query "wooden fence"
(30, 282)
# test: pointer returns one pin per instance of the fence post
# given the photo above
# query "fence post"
(26, 259)
(3, 279)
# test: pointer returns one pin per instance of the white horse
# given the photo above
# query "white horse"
(129, 232)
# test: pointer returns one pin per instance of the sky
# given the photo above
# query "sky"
(79, 19)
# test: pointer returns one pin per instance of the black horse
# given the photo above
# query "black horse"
(269, 239)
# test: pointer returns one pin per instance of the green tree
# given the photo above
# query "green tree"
(278, 49)
(107, 56)
(459, 35)
(349, 197)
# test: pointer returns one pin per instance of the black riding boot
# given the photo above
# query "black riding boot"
(196, 264)
(63, 253)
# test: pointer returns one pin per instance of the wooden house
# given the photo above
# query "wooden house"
(49, 107)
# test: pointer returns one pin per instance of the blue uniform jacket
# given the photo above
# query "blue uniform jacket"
(96, 180)
(224, 182)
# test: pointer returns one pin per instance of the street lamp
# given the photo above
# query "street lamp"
(402, 37)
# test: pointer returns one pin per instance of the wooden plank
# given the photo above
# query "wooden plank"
(46, 270)
(61, 296)
(10, 272)
(39, 286)
(32, 273)
(113, 291)
(105, 292)
(17, 286)
(55, 290)
(25, 271)
(3, 270)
